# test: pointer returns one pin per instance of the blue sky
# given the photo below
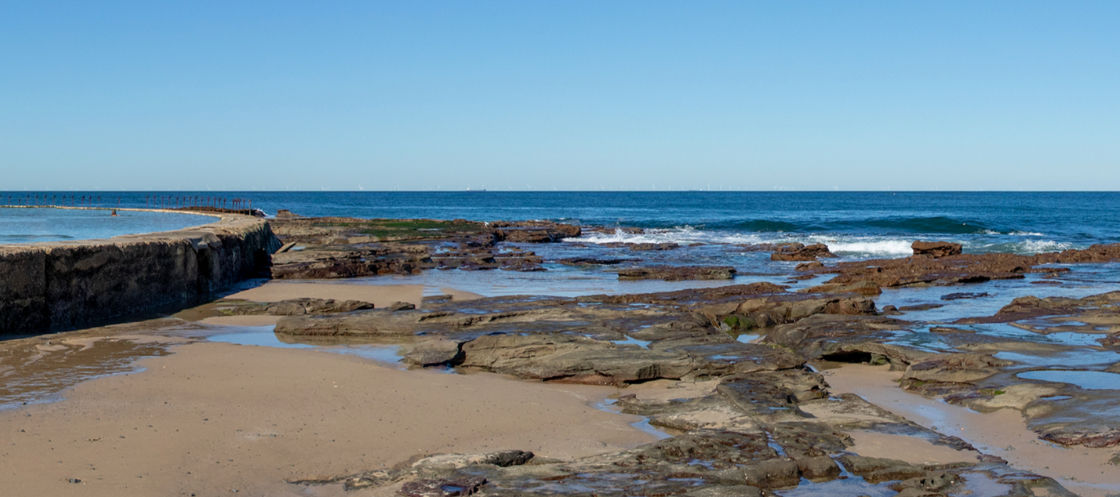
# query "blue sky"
(569, 95)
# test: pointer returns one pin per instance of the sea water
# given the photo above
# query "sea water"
(43, 224)
(859, 224)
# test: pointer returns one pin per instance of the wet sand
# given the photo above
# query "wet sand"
(251, 321)
(378, 295)
(212, 418)
(1003, 433)
(907, 448)
(457, 294)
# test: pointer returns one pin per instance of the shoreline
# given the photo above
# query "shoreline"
(538, 371)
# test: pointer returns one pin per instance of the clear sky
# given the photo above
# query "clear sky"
(416, 95)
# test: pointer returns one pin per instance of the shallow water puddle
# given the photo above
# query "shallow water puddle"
(38, 373)
(979, 485)
(1079, 357)
(381, 353)
(1089, 380)
(1003, 433)
(842, 487)
(748, 337)
(847, 485)
(608, 405)
(260, 338)
(632, 341)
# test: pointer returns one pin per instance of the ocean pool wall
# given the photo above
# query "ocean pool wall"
(64, 285)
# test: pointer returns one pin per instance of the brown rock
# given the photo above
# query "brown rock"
(820, 468)
(534, 231)
(936, 249)
(799, 252)
(955, 368)
(809, 266)
(644, 247)
(677, 273)
(588, 261)
(443, 488)
(299, 307)
(862, 287)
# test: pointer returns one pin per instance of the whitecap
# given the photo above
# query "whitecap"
(1025, 247)
(871, 246)
(682, 235)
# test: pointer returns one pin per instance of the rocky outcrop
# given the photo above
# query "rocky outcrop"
(954, 368)
(319, 263)
(644, 246)
(801, 252)
(848, 338)
(936, 249)
(590, 261)
(63, 285)
(1023, 308)
(293, 307)
(678, 273)
(927, 270)
(572, 358)
(752, 418)
(534, 231)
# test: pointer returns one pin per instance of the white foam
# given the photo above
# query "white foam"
(862, 246)
(683, 236)
(1026, 247)
(872, 247)
(1045, 246)
(843, 245)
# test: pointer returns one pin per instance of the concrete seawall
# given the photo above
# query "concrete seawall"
(62, 285)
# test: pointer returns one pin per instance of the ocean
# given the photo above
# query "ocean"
(858, 224)
(713, 228)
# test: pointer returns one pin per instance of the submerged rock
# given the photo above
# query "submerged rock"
(296, 307)
(644, 246)
(443, 488)
(935, 269)
(677, 273)
(589, 261)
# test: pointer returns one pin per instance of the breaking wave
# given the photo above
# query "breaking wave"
(1024, 247)
(847, 246)
(874, 248)
(684, 235)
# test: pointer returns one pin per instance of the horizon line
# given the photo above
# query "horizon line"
(4, 192)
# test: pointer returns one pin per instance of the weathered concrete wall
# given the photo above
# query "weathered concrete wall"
(63, 285)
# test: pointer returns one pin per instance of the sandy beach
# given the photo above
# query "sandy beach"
(212, 418)
(378, 295)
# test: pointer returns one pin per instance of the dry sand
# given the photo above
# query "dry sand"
(1003, 433)
(213, 418)
(378, 295)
